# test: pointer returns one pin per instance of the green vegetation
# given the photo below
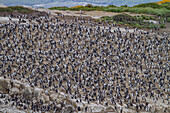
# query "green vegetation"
(59, 8)
(165, 5)
(152, 5)
(168, 19)
(162, 25)
(16, 8)
(159, 12)
(162, 10)
(144, 17)
(133, 21)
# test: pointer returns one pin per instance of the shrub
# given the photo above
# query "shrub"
(124, 6)
(168, 19)
(143, 16)
(127, 20)
(162, 25)
(137, 25)
(89, 5)
(77, 6)
(151, 18)
(165, 5)
(120, 23)
(139, 18)
(127, 25)
(111, 6)
(59, 8)
(152, 5)
(151, 26)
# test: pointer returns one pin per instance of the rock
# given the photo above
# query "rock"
(27, 93)
(19, 86)
(4, 86)
(37, 93)
(14, 91)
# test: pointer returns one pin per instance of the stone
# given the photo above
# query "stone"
(27, 93)
(14, 91)
(37, 92)
(4, 86)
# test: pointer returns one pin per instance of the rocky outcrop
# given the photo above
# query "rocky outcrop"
(14, 88)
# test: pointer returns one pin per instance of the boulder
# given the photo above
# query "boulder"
(4, 86)
(37, 93)
(14, 91)
(27, 93)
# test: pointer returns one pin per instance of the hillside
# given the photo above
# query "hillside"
(147, 8)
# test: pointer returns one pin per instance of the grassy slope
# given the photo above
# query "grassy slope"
(148, 8)
(133, 21)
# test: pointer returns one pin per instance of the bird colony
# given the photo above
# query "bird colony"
(72, 64)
